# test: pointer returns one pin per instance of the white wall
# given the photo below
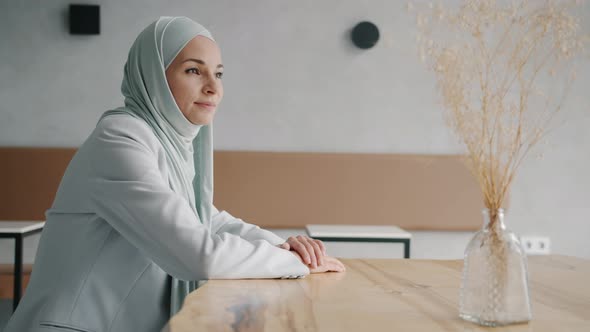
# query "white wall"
(293, 82)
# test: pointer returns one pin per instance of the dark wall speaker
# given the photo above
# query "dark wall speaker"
(365, 35)
(84, 19)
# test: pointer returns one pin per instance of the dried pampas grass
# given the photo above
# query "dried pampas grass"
(489, 58)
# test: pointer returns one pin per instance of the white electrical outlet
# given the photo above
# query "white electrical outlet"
(536, 245)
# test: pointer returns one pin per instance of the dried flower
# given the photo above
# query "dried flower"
(487, 57)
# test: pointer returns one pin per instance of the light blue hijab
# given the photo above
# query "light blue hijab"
(148, 97)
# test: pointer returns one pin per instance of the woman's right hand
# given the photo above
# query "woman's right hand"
(331, 264)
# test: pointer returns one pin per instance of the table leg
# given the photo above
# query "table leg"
(406, 248)
(18, 270)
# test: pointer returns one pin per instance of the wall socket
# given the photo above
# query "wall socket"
(536, 245)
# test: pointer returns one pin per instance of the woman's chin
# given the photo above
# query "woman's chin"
(201, 121)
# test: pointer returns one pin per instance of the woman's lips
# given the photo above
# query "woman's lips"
(207, 106)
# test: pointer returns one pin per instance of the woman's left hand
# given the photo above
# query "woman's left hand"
(311, 251)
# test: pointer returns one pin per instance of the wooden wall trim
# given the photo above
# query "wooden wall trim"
(29, 178)
(7, 279)
(289, 189)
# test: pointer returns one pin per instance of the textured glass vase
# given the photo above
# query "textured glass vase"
(494, 284)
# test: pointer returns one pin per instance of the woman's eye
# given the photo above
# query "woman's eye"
(219, 75)
(193, 71)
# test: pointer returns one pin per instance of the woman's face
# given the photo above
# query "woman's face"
(194, 77)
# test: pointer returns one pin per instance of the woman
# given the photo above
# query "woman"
(133, 224)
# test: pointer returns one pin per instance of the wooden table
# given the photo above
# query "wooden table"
(18, 230)
(381, 295)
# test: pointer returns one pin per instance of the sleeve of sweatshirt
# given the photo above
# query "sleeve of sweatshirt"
(223, 222)
(129, 192)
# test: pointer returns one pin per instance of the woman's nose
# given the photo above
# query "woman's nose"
(211, 87)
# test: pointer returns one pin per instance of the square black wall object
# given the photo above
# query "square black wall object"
(84, 19)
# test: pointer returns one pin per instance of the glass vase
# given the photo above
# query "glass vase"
(494, 285)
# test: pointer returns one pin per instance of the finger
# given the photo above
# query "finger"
(336, 265)
(297, 255)
(341, 266)
(322, 246)
(318, 251)
(286, 246)
(310, 250)
(302, 251)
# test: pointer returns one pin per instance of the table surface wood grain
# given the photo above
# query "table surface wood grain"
(382, 295)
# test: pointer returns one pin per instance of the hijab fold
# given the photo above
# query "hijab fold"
(188, 147)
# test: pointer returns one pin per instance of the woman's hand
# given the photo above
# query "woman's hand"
(330, 264)
(312, 252)
(323, 263)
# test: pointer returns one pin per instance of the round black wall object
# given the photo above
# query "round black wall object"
(365, 35)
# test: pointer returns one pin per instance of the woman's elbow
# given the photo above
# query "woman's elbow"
(190, 273)
(189, 269)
